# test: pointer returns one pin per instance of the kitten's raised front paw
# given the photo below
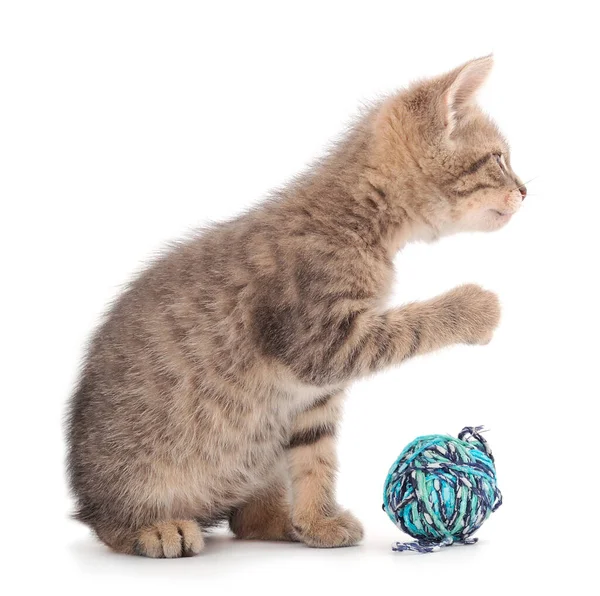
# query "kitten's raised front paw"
(342, 529)
(474, 312)
(180, 538)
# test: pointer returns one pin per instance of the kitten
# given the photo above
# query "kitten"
(212, 390)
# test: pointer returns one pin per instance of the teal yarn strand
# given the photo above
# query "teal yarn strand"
(440, 490)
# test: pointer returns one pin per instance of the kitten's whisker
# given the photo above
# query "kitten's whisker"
(525, 183)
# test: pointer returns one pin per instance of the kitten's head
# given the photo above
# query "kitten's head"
(459, 165)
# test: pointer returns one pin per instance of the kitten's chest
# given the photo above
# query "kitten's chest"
(387, 278)
(300, 397)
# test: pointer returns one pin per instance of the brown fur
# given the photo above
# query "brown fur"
(213, 388)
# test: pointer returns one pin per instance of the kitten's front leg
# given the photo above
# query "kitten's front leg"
(317, 519)
(467, 314)
(365, 342)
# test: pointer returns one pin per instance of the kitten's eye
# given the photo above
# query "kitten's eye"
(500, 159)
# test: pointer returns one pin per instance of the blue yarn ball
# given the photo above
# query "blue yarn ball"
(440, 490)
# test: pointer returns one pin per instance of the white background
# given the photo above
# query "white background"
(125, 124)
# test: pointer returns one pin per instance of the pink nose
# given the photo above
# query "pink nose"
(523, 191)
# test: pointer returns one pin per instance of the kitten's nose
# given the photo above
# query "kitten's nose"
(523, 191)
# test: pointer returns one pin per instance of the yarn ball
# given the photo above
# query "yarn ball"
(440, 490)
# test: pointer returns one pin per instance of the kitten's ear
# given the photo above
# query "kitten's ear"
(463, 83)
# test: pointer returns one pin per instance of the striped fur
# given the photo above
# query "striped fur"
(212, 390)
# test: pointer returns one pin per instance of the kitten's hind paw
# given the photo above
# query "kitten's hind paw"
(172, 539)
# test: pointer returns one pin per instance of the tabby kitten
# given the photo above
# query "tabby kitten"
(212, 390)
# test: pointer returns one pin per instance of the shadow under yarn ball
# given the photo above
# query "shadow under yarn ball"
(441, 489)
